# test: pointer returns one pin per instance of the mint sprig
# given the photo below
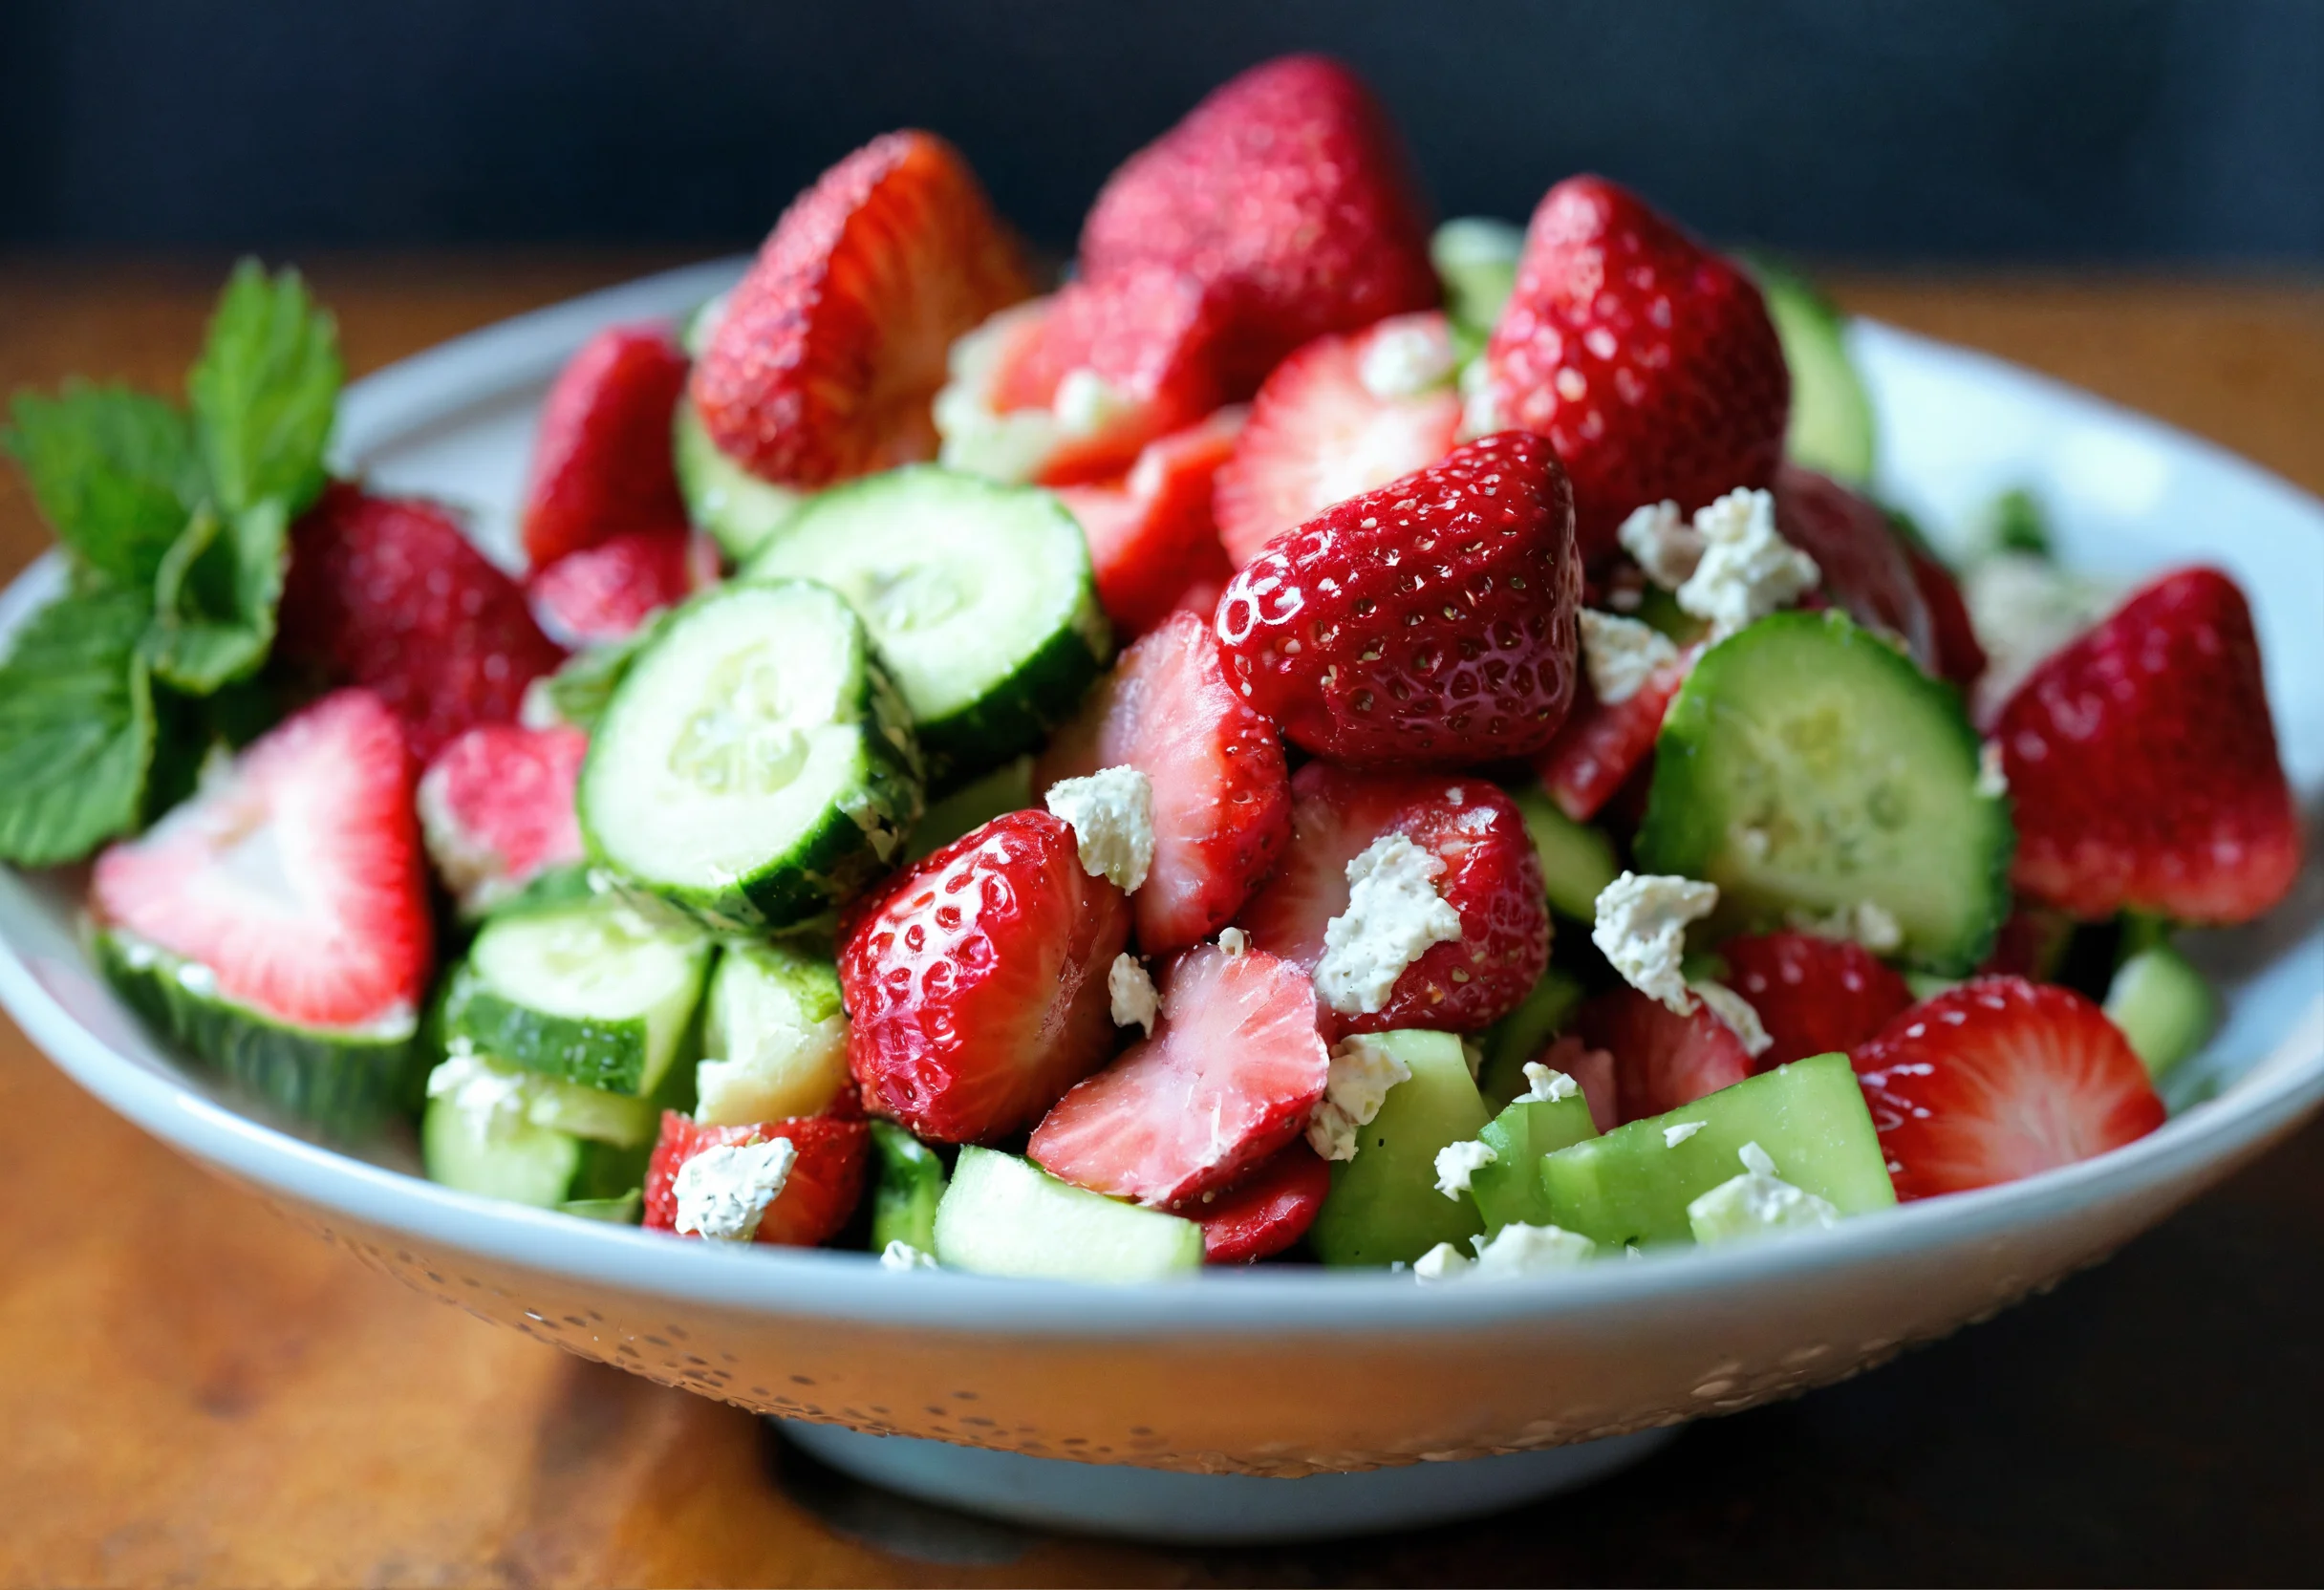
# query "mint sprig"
(264, 390)
(115, 473)
(76, 726)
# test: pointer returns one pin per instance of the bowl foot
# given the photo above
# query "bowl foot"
(1161, 1505)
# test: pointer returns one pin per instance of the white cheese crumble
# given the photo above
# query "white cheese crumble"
(1758, 1203)
(1393, 914)
(1992, 779)
(1748, 570)
(490, 1100)
(1509, 1253)
(1662, 543)
(1132, 993)
(1405, 356)
(1011, 446)
(1363, 1069)
(1112, 813)
(722, 1192)
(1640, 928)
(1732, 1008)
(1234, 940)
(474, 872)
(1545, 1085)
(1621, 654)
(1674, 1135)
(900, 1255)
(1458, 1162)
(1086, 403)
(1866, 922)
(2023, 608)
(1441, 1263)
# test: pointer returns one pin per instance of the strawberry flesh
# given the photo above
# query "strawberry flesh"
(1267, 1211)
(1814, 996)
(825, 1185)
(1152, 536)
(1661, 1060)
(496, 808)
(1598, 747)
(1593, 1070)
(602, 593)
(601, 462)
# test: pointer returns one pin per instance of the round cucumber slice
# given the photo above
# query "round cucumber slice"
(1807, 765)
(740, 510)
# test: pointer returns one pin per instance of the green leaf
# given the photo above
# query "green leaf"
(113, 471)
(214, 597)
(581, 689)
(264, 389)
(76, 727)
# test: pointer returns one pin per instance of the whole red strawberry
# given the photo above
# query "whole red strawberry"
(601, 462)
(2142, 764)
(1647, 360)
(1289, 185)
(824, 1184)
(1868, 569)
(1431, 621)
(1814, 996)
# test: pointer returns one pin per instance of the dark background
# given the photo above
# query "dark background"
(2144, 131)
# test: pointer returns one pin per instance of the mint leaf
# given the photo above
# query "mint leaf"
(113, 470)
(264, 389)
(214, 597)
(76, 726)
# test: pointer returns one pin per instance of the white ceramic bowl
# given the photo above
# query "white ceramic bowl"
(1294, 1371)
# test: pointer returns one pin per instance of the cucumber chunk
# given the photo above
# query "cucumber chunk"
(978, 596)
(623, 1210)
(1476, 260)
(754, 765)
(497, 1092)
(1524, 1033)
(521, 1162)
(1007, 1216)
(741, 511)
(1383, 1207)
(1833, 429)
(2162, 1005)
(1509, 1190)
(1634, 1184)
(1008, 787)
(910, 1187)
(1807, 765)
(774, 1037)
(1576, 860)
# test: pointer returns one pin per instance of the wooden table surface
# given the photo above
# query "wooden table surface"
(193, 1394)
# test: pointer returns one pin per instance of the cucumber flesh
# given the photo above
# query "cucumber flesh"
(1509, 1190)
(1476, 260)
(1576, 860)
(2162, 1005)
(774, 1037)
(909, 1189)
(754, 765)
(1006, 1216)
(1833, 429)
(519, 1163)
(741, 511)
(623, 1210)
(1008, 787)
(1383, 1207)
(1524, 1033)
(495, 1094)
(1806, 765)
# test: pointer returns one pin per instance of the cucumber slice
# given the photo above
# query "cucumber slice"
(521, 1162)
(1476, 260)
(1634, 1184)
(2162, 1005)
(596, 993)
(910, 1189)
(347, 1082)
(1576, 860)
(1832, 429)
(702, 324)
(1509, 1190)
(1007, 1216)
(1008, 787)
(1808, 765)
(741, 511)
(623, 1210)
(1384, 1206)
(754, 765)
(1522, 1034)
(774, 1037)
(498, 1092)
(978, 595)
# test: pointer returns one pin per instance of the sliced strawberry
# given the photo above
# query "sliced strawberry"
(1594, 1070)
(603, 593)
(832, 346)
(388, 594)
(296, 878)
(1490, 876)
(1868, 569)
(1221, 797)
(2142, 764)
(1661, 1060)
(1814, 996)
(1267, 1211)
(496, 808)
(1959, 654)
(1231, 1074)
(974, 980)
(601, 462)
(1598, 747)
(1152, 536)
(1999, 1079)
(825, 1185)
(1342, 416)
(2030, 943)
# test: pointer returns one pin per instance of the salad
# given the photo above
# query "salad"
(1312, 739)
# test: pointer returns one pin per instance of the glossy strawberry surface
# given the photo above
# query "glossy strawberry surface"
(1267, 1211)
(496, 807)
(825, 1185)
(1814, 996)
(1661, 1060)
(603, 593)
(1867, 569)
(1152, 534)
(601, 459)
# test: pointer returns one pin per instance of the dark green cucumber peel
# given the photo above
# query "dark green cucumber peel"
(590, 1051)
(910, 1184)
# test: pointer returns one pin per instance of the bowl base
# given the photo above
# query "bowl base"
(1165, 1506)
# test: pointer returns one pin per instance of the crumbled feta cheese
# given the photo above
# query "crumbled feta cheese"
(1674, 1135)
(1640, 928)
(1363, 1069)
(1545, 1085)
(1758, 1203)
(1234, 940)
(1992, 779)
(1112, 813)
(1748, 570)
(1404, 356)
(722, 1192)
(1086, 403)
(1662, 543)
(490, 1100)
(900, 1255)
(1132, 993)
(1509, 1253)
(1621, 654)
(2023, 608)
(1011, 446)
(1393, 914)
(1865, 922)
(1458, 1162)
(1441, 1263)
(1732, 1008)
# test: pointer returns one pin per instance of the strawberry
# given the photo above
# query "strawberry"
(1814, 996)
(1152, 536)
(1431, 621)
(2142, 764)
(1959, 657)
(1661, 1060)
(1490, 876)
(388, 594)
(1267, 1211)
(2030, 943)
(831, 347)
(1231, 1074)
(1342, 416)
(1598, 747)
(603, 593)
(1999, 1079)
(296, 878)
(1594, 1070)
(825, 1185)
(1868, 569)
(1290, 186)
(974, 980)
(1647, 360)
(601, 460)
(1221, 796)
(496, 808)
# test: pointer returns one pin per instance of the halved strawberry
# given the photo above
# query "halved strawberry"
(602, 593)
(824, 1184)
(1594, 1070)
(1221, 797)
(1152, 536)
(1814, 996)
(2030, 943)
(296, 878)
(1491, 877)
(1599, 746)
(1231, 1074)
(1268, 1210)
(1661, 1060)
(2143, 765)
(974, 980)
(496, 808)
(1345, 414)
(831, 347)
(1999, 1079)
(1867, 569)
(601, 462)
(1959, 654)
